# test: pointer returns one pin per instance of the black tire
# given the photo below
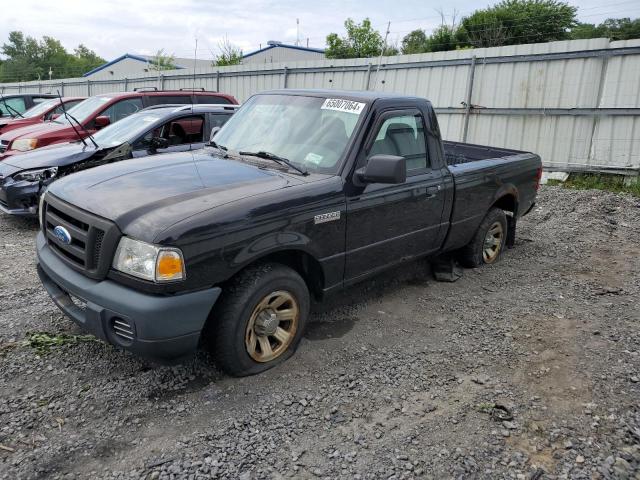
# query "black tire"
(472, 255)
(228, 326)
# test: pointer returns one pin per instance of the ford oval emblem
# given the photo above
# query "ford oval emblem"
(62, 234)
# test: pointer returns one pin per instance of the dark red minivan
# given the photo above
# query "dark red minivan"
(97, 112)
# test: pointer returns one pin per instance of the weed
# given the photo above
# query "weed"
(485, 407)
(610, 183)
(43, 342)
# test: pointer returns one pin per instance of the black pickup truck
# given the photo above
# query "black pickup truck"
(302, 193)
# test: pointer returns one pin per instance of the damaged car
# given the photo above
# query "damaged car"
(155, 130)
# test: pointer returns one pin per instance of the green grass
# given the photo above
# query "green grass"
(43, 342)
(610, 183)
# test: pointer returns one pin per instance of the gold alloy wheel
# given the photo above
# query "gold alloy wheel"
(272, 326)
(492, 243)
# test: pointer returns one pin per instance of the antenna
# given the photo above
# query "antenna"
(69, 119)
(297, 32)
(195, 59)
(384, 47)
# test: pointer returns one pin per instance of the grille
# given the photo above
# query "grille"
(123, 329)
(97, 246)
(93, 239)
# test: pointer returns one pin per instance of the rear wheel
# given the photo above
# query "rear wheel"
(488, 242)
(260, 319)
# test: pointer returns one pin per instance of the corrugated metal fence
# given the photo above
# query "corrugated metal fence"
(576, 103)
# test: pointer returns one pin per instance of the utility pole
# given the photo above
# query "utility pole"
(297, 32)
(50, 73)
(384, 47)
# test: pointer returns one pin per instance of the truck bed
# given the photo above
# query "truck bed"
(457, 153)
(482, 175)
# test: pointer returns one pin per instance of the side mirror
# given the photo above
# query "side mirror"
(158, 143)
(383, 169)
(214, 130)
(101, 121)
(53, 116)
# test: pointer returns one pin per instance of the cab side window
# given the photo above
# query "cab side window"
(219, 119)
(403, 135)
(122, 109)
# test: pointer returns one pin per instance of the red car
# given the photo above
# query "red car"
(97, 112)
(46, 110)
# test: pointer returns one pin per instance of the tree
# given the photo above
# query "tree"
(414, 42)
(229, 54)
(160, 61)
(612, 28)
(512, 22)
(361, 41)
(443, 38)
(30, 59)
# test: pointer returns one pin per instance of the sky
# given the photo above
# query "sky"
(112, 28)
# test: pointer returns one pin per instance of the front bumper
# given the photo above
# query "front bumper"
(20, 198)
(162, 327)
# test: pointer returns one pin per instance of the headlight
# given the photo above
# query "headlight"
(24, 144)
(40, 210)
(143, 260)
(35, 175)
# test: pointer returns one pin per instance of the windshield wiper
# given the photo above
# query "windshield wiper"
(215, 145)
(275, 158)
(10, 108)
(71, 117)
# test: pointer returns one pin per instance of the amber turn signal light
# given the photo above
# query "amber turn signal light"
(169, 266)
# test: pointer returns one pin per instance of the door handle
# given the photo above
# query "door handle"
(433, 191)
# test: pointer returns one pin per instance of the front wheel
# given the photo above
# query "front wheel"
(260, 319)
(488, 242)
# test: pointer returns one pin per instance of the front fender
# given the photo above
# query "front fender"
(272, 243)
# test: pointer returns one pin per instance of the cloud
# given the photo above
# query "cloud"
(114, 27)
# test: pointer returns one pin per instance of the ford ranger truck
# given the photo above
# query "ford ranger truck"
(301, 194)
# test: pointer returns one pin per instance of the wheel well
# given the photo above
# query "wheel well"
(507, 203)
(307, 267)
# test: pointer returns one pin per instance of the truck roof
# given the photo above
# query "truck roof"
(356, 95)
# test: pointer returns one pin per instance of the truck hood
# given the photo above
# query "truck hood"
(57, 155)
(145, 196)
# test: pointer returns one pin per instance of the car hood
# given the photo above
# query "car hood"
(33, 130)
(17, 122)
(7, 170)
(145, 196)
(57, 155)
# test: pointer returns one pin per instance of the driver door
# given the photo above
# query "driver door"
(387, 224)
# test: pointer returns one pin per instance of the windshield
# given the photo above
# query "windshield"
(311, 132)
(127, 129)
(84, 109)
(12, 106)
(40, 108)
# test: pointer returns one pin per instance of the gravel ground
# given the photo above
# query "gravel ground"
(396, 378)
